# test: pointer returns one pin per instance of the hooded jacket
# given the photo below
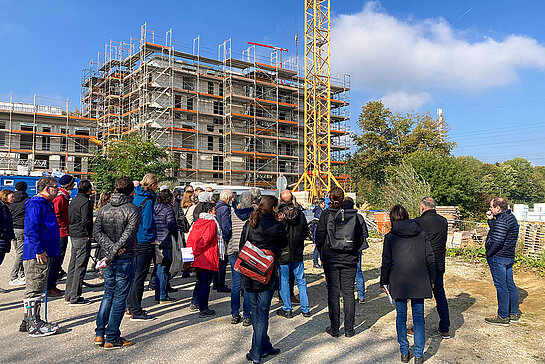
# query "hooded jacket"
(116, 226)
(408, 263)
(436, 227)
(203, 238)
(145, 200)
(297, 230)
(17, 209)
(336, 258)
(165, 220)
(6, 228)
(503, 235)
(41, 228)
(61, 202)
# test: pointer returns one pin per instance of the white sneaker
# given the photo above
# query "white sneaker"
(17, 282)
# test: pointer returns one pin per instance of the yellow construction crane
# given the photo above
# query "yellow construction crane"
(317, 176)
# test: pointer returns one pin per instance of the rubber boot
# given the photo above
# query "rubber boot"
(36, 326)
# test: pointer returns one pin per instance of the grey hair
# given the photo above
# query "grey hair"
(428, 202)
(256, 195)
(245, 200)
(226, 195)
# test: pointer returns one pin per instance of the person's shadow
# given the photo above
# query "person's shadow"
(457, 306)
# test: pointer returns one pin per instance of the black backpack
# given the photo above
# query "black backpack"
(341, 229)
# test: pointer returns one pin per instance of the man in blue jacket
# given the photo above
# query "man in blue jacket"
(41, 243)
(144, 199)
(223, 215)
(500, 247)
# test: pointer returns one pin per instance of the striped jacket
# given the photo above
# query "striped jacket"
(503, 235)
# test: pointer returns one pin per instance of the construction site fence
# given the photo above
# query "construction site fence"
(463, 233)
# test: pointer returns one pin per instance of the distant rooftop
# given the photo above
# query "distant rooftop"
(22, 107)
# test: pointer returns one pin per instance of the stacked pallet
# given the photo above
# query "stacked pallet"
(533, 236)
(452, 214)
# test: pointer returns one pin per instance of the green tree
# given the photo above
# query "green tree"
(405, 187)
(453, 181)
(386, 139)
(132, 157)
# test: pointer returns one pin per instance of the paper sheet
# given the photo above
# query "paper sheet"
(187, 255)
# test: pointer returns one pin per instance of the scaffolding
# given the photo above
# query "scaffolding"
(38, 138)
(224, 119)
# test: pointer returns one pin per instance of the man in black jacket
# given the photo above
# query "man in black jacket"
(17, 210)
(291, 256)
(436, 227)
(501, 242)
(80, 213)
(115, 231)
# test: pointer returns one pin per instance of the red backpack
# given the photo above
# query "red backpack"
(255, 263)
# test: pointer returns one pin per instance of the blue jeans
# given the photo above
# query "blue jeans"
(418, 326)
(201, 292)
(235, 291)
(315, 254)
(162, 276)
(360, 281)
(442, 304)
(118, 279)
(508, 296)
(260, 302)
(299, 273)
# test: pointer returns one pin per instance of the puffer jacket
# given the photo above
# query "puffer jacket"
(238, 218)
(503, 235)
(203, 238)
(271, 235)
(297, 229)
(408, 263)
(17, 209)
(147, 229)
(116, 226)
(41, 228)
(165, 220)
(6, 228)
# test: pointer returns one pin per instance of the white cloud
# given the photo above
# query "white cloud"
(384, 54)
(403, 101)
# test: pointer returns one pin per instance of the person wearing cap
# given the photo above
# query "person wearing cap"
(17, 210)
(203, 198)
(60, 203)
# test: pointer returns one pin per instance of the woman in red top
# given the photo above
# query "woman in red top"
(203, 238)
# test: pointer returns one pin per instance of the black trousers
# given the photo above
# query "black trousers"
(144, 254)
(56, 264)
(340, 280)
(79, 258)
(219, 276)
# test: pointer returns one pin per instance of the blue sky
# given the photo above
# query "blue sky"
(482, 62)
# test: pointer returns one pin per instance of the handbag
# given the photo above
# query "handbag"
(255, 263)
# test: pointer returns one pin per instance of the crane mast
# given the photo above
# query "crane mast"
(317, 176)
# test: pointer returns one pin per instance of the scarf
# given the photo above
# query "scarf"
(221, 243)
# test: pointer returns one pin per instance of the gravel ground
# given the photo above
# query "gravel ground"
(178, 335)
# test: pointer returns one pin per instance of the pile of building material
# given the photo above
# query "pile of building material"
(452, 214)
(533, 237)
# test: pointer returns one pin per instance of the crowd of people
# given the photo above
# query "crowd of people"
(140, 225)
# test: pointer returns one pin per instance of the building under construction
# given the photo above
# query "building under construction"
(226, 119)
(38, 138)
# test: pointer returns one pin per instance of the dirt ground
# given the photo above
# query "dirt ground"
(178, 335)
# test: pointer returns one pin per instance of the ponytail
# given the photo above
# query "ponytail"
(255, 216)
